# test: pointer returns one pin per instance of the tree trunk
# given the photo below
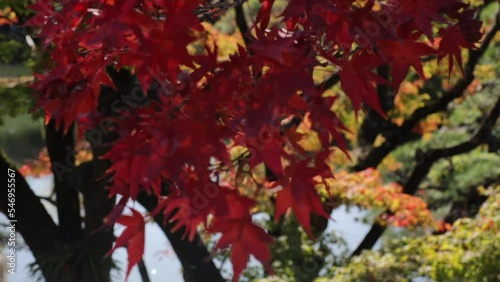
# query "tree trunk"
(196, 261)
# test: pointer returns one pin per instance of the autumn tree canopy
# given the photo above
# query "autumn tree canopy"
(203, 108)
(215, 137)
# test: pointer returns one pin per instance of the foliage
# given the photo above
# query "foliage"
(42, 165)
(451, 178)
(366, 189)
(16, 9)
(209, 105)
(470, 251)
(12, 51)
(7, 16)
(15, 100)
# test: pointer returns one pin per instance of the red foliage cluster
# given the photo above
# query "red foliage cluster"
(206, 106)
(366, 189)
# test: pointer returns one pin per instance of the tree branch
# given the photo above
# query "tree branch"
(331, 81)
(196, 261)
(60, 147)
(402, 134)
(469, 203)
(33, 222)
(49, 200)
(90, 175)
(143, 271)
(426, 160)
(241, 22)
(374, 123)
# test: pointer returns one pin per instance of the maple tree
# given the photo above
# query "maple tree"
(232, 127)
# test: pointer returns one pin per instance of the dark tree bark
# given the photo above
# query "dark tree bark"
(194, 257)
(468, 204)
(425, 162)
(143, 271)
(374, 123)
(196, 261)
(36, 226)
(95, 193)
(398, 135)
(60, 147)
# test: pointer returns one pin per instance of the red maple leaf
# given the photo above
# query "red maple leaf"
(452, 40)
(423, 13)
(403, 54)
(264, 14)
(132, 237)
(245, 239)
(299, 193)
(184, 129)
(358, 80)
